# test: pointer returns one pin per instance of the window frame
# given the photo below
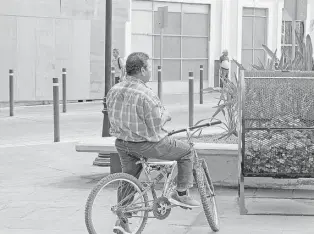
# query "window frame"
(283, 35)
(254, 16)
(181, 35)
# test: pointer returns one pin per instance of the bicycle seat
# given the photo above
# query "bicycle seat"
(155, 161)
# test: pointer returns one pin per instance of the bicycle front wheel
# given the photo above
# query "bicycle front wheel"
(207, 194)
(117, 201)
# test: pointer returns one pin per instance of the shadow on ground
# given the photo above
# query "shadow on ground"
(80, 182)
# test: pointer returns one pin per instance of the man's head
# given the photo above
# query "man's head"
(225, 52)
(115, 52)
(137, 65)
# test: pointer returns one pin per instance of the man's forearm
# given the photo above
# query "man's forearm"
(164, 120)
(165, 117)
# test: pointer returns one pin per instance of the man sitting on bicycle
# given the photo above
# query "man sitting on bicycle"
(137, 118)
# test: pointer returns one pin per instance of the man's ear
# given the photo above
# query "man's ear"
(143, 71)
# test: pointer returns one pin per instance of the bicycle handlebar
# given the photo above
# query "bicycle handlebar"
(195, 127)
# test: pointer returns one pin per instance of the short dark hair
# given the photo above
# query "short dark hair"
(135, 62)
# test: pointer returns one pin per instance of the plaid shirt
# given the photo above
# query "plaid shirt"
(135, 112)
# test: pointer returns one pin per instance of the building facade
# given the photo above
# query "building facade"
(199, 30)
(38, 38)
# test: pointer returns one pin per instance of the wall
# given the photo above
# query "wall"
(272, 38)
(274, 23)
(39, 38)
(310, 21)
(97, 50)
(120, 20)
(307, 26)
(214, 50)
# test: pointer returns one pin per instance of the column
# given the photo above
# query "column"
(121, 29)
(128, 31)
(225, 29)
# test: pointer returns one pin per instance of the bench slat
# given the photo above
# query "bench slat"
(97, 145)
(106, 145)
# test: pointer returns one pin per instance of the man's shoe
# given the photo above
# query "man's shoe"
(122, 227)
(185, 200)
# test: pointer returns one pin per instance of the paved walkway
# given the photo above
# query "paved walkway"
(44, 189)
(44, 185)
(33, 125)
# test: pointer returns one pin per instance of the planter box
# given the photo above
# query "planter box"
(278, 124)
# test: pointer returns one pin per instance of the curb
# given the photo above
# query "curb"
(45, 104)
(39, 143)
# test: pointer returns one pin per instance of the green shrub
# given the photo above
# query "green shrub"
(227, 105)
(286, 151)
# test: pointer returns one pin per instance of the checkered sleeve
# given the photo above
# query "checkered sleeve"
(153, 117)
(109, 99)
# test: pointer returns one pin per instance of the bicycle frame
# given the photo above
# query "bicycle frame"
(167, 169)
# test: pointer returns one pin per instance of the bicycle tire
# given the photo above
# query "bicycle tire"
(203, 179)
(97, 189)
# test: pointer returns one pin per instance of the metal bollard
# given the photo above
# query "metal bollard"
(112, 76)
(159, 84)
(64, 89)
(56, 119)
(201, 83)
(191, 99)
(11, 92)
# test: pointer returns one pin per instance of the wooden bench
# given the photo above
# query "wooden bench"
(106, 146)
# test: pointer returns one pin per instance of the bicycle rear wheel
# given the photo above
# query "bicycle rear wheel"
(207, 194)
(115, 199)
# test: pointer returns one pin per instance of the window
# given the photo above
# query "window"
(286, 34)
(142, 29)
(254, 35)
(185, 47)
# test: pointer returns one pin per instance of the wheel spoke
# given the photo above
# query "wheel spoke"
(131, 205)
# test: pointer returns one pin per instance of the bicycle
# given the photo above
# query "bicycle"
(129, 206)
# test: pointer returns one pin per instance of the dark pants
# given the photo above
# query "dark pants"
(167, 149)
(224, 75)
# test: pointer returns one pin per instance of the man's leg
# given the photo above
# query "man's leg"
(129, 166)
(224, 76)
(173, 150)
